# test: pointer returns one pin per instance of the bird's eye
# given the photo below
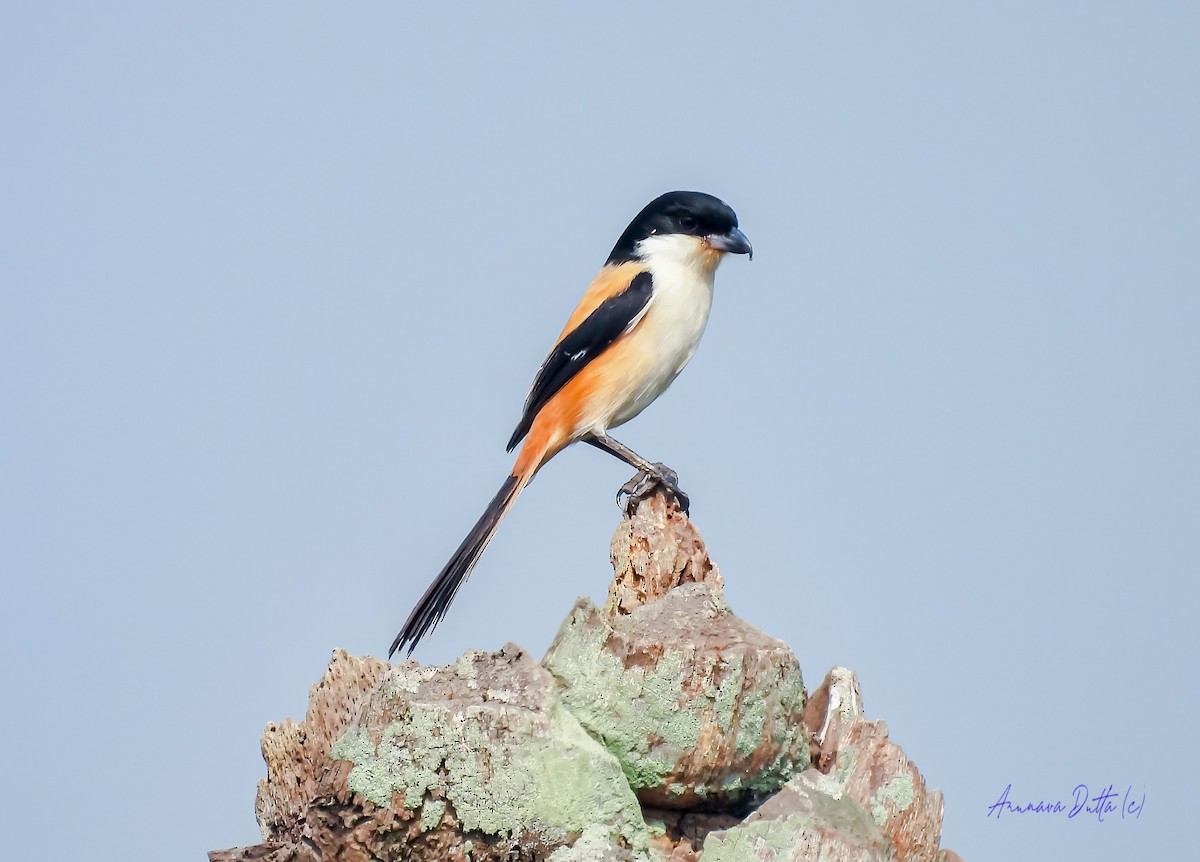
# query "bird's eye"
(687, 222)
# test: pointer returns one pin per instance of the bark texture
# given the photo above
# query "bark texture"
(873, 770)
(702, 709)
(477, 761)
(660, 728)
(654, 550)
(811, 818)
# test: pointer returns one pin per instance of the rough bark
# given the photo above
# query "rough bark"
(702, 709)
(297, 753)
(663, 693)
(872, 769)
(812, 819)
(655, 549)
(475, 761)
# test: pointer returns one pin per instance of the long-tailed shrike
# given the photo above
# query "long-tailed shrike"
(638, 324)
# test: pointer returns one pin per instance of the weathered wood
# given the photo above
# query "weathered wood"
(872, 769)
(475, 761)
(299, 769)
(664, 692)
(701, 708)
(812, 819)
(654, 550)
(272, 851)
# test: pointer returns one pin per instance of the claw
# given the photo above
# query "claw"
(644, 484)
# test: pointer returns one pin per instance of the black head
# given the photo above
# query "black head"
(689, 213)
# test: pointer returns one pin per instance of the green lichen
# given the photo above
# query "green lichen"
(753, 719)
(630, 710)
(752, 842)
(642, 714)
(790, 693)
(431, 813)
(596, 844)
(821, 810)
(843, 765)
(790, 737)
(725, 697)
(464, 666)
(832, 807)
(504, 771)
(372, 776)
(899, 791)
(826, 784)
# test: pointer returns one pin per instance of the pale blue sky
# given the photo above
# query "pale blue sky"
(277, 277)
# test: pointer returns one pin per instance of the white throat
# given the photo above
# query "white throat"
(680, 252)
(669, 331)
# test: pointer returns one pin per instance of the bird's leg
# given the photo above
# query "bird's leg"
(649, 475)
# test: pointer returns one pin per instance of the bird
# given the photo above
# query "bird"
(638, 324)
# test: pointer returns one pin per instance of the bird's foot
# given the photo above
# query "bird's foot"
(646, 483)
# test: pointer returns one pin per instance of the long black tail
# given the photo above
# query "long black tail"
(434, 604)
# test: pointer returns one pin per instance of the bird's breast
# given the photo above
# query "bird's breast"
(666, 337)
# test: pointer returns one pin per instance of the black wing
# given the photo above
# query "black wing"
(588, 340)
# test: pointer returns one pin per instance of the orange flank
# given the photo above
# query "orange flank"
(583, 406)
(572, 411)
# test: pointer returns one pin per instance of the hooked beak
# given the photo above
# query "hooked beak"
(734, 242)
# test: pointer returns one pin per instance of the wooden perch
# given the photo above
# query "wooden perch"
(661, 727)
